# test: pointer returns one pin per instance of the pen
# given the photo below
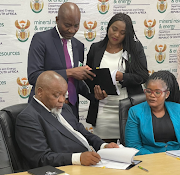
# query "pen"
(92, 149)
(118, 142)
(143, 168)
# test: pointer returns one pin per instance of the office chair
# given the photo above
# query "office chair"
(7, 124)
(5, 163)
(124, 106)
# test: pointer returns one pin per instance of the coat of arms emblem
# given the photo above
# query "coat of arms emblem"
(24, 88)
(22, 33)
(90, 33)
(160, 55)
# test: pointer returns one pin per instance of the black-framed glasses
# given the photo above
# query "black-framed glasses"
(157, 93)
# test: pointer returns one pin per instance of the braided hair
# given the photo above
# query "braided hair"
(171, 83)
(129, 44)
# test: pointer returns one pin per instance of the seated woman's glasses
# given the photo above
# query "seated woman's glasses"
(157, 93)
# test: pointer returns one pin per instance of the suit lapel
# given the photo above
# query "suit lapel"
(147, 123)
(53, 121)
(58, 46)
(174, 115)
(75, 53)
(98, 56)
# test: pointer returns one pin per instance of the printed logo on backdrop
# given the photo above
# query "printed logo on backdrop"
(22, 32)
(103, 6)
(36, 5)
(90, 33)
(24, 87)
(160, 53)
(162, 6)
(90, 129)
(149, 31)
(151, 72)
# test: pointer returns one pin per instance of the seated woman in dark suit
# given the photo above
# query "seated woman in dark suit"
(154, 126)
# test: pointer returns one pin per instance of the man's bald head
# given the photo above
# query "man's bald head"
(66, 8)
(51, 89)
(68, 19)
(49, 78)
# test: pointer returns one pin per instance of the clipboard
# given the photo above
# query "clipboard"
(103, 79)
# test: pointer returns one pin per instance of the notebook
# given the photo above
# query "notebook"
(174, 153)
(46, 170)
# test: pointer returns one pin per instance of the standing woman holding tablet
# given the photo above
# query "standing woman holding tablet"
(123, 54)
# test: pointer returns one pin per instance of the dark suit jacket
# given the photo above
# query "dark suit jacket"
(131, 81)
(43, 140)
(46, 53)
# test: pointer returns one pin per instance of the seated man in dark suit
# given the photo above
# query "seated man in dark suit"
(47, 131)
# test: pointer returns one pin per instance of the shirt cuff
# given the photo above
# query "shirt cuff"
(103, 145)
(76, 158)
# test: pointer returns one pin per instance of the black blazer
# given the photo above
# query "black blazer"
(46, 53)
(131, 81)
(43, 140)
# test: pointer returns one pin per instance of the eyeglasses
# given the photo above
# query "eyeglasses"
(157, 93)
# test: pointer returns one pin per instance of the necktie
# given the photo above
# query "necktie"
(73, 132)
(71, 87)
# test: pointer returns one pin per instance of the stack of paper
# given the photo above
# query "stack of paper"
(174, 153)
(117, 158)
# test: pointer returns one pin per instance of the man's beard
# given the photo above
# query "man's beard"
(56, 111)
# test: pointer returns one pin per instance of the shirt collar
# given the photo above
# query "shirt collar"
(125, 55)
(41, 103)
(68, 40)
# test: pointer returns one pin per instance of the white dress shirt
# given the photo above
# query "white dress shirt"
(69, 47)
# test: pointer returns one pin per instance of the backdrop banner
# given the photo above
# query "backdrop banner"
(156, 23)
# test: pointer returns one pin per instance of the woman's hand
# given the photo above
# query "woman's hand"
(119, 76)
(99, 94)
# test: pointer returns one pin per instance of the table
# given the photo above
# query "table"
(157, 164)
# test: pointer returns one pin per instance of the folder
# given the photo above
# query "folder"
(45, 170)
(103, 79)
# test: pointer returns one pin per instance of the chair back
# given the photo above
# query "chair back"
(124, 106)
(5, 163)
(7, 124)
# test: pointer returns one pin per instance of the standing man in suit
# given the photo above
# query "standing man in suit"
(48, 133)
(57, 49)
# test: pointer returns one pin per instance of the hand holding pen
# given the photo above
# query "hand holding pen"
(95, 151)
(89, 158)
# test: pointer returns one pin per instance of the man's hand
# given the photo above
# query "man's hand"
(98, 93)
(111, 145)
(119, 76)
(89, 158)
(80, 73)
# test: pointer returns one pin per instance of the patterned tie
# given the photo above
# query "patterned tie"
(71, 87)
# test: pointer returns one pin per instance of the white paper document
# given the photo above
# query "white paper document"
(116, 158)
(174, 153)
